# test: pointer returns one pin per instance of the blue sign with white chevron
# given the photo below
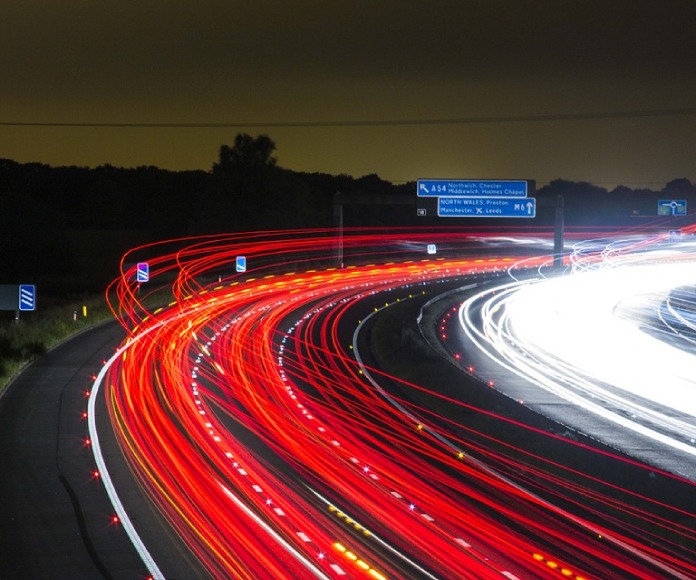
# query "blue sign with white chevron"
(27, 297)
(142, 272)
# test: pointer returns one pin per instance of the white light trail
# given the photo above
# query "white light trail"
(595, 338)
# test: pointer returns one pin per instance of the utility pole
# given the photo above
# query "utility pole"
(338, 220)
(340, 200)
(558, 228)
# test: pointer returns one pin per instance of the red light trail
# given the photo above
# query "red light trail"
(249, 421)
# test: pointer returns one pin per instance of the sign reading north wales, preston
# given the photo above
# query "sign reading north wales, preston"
(502, 207)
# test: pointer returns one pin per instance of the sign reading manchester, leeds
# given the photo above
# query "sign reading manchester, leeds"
(470, 188)
(502, 207)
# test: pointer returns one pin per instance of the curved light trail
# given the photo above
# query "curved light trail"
(245, 417)
(600, 339)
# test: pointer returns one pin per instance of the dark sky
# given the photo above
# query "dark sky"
(603, 91)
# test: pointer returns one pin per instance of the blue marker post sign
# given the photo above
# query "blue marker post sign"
(471, 188)
(241, 264)
(142, 272)
(27, 297)
(486, 207)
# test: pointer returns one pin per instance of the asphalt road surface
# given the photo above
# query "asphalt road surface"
(55, 516)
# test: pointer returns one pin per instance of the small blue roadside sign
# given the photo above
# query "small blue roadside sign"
(486, 207)
(27, 297)
(142, 272)
(671, 207)
(674, 236)
(470, 188)
(241, 263)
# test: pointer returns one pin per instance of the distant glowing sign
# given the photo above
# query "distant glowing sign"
(241, 264)
(671, 207)
(674, 235)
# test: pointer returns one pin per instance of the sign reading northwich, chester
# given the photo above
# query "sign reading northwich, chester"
(471, 188)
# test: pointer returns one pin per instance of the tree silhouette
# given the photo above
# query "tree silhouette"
(681, 186)
(248, 154)
(243, 187)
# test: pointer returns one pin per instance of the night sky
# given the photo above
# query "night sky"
(599, 91)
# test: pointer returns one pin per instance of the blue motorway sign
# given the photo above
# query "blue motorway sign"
(143, 272)
(240, 264)
(671, 207)
(470, 188)
(486, 207)
(27, 297)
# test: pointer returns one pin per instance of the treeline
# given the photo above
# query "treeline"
(66, 228)
(590, 205)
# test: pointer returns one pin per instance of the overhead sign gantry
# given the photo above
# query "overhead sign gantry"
(483, 198)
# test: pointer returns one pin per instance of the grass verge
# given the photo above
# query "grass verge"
(26, 338)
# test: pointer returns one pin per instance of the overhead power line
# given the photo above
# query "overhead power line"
(369, 123)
